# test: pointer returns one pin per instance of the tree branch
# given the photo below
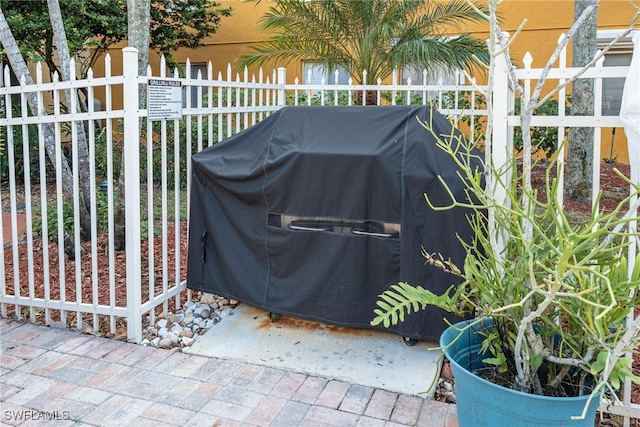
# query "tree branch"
(599, 55)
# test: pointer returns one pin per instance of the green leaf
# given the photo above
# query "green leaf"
(499, 360)
(599, 364)
(536, 361)
(615, 382)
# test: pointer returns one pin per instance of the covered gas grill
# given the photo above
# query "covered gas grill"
(315, 211)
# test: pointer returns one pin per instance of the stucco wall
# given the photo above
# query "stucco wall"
(546, 21)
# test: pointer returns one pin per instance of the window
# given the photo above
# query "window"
(416, 74)
(434, 77)
(195, 68)
(612, 88)
(314, 72)
(619, 55)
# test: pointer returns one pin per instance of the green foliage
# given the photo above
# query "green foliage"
(18, 153)
(401, 98)
(67, 216)
(101, 160)
(544, 139)
(404, 298)
(100, 147)
(173, 133)
(328, 95)
(52, 219)
(558, 293)
(183, 24)
(95, 23)
(390, 34)
(467, 101)
(98, 24)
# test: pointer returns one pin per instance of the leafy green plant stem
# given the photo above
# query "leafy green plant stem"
(560, 272)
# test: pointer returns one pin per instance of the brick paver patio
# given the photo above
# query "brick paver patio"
(58, 377)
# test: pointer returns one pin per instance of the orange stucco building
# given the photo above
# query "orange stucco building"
(546, 21)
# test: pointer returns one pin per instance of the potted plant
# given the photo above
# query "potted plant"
(547, 311)
(546, 300)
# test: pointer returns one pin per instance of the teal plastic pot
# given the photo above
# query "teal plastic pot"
(483, 403)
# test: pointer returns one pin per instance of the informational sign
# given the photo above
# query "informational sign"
(164, 99)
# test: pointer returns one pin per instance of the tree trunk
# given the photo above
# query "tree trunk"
(580, 160)
(20, 69)
(371, 99)
(138, 16)
(55, 15)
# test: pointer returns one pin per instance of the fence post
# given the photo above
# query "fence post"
(282, 81)
(500, 143)
(500, 146)
(131, 159)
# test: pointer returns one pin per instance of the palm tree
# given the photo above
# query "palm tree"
(373, 35)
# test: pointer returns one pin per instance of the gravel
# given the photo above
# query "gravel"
(181, 329)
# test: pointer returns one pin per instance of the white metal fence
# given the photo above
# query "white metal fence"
(154, 154)
(104, 288)
(506, 120)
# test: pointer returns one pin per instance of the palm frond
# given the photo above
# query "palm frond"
(373, 35)
(403, 298)
(450, 16)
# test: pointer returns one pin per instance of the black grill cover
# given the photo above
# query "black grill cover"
(315, 211)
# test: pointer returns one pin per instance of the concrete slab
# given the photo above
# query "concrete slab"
(371, 358)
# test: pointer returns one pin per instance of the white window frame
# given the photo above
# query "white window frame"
(195, 67)
(319, 72)
(440, 75)
(619, 55)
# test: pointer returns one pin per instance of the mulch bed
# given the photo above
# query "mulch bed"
(104, 296)
(613, 187)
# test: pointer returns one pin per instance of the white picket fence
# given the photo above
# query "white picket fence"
(528, 76)
(125, 289)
